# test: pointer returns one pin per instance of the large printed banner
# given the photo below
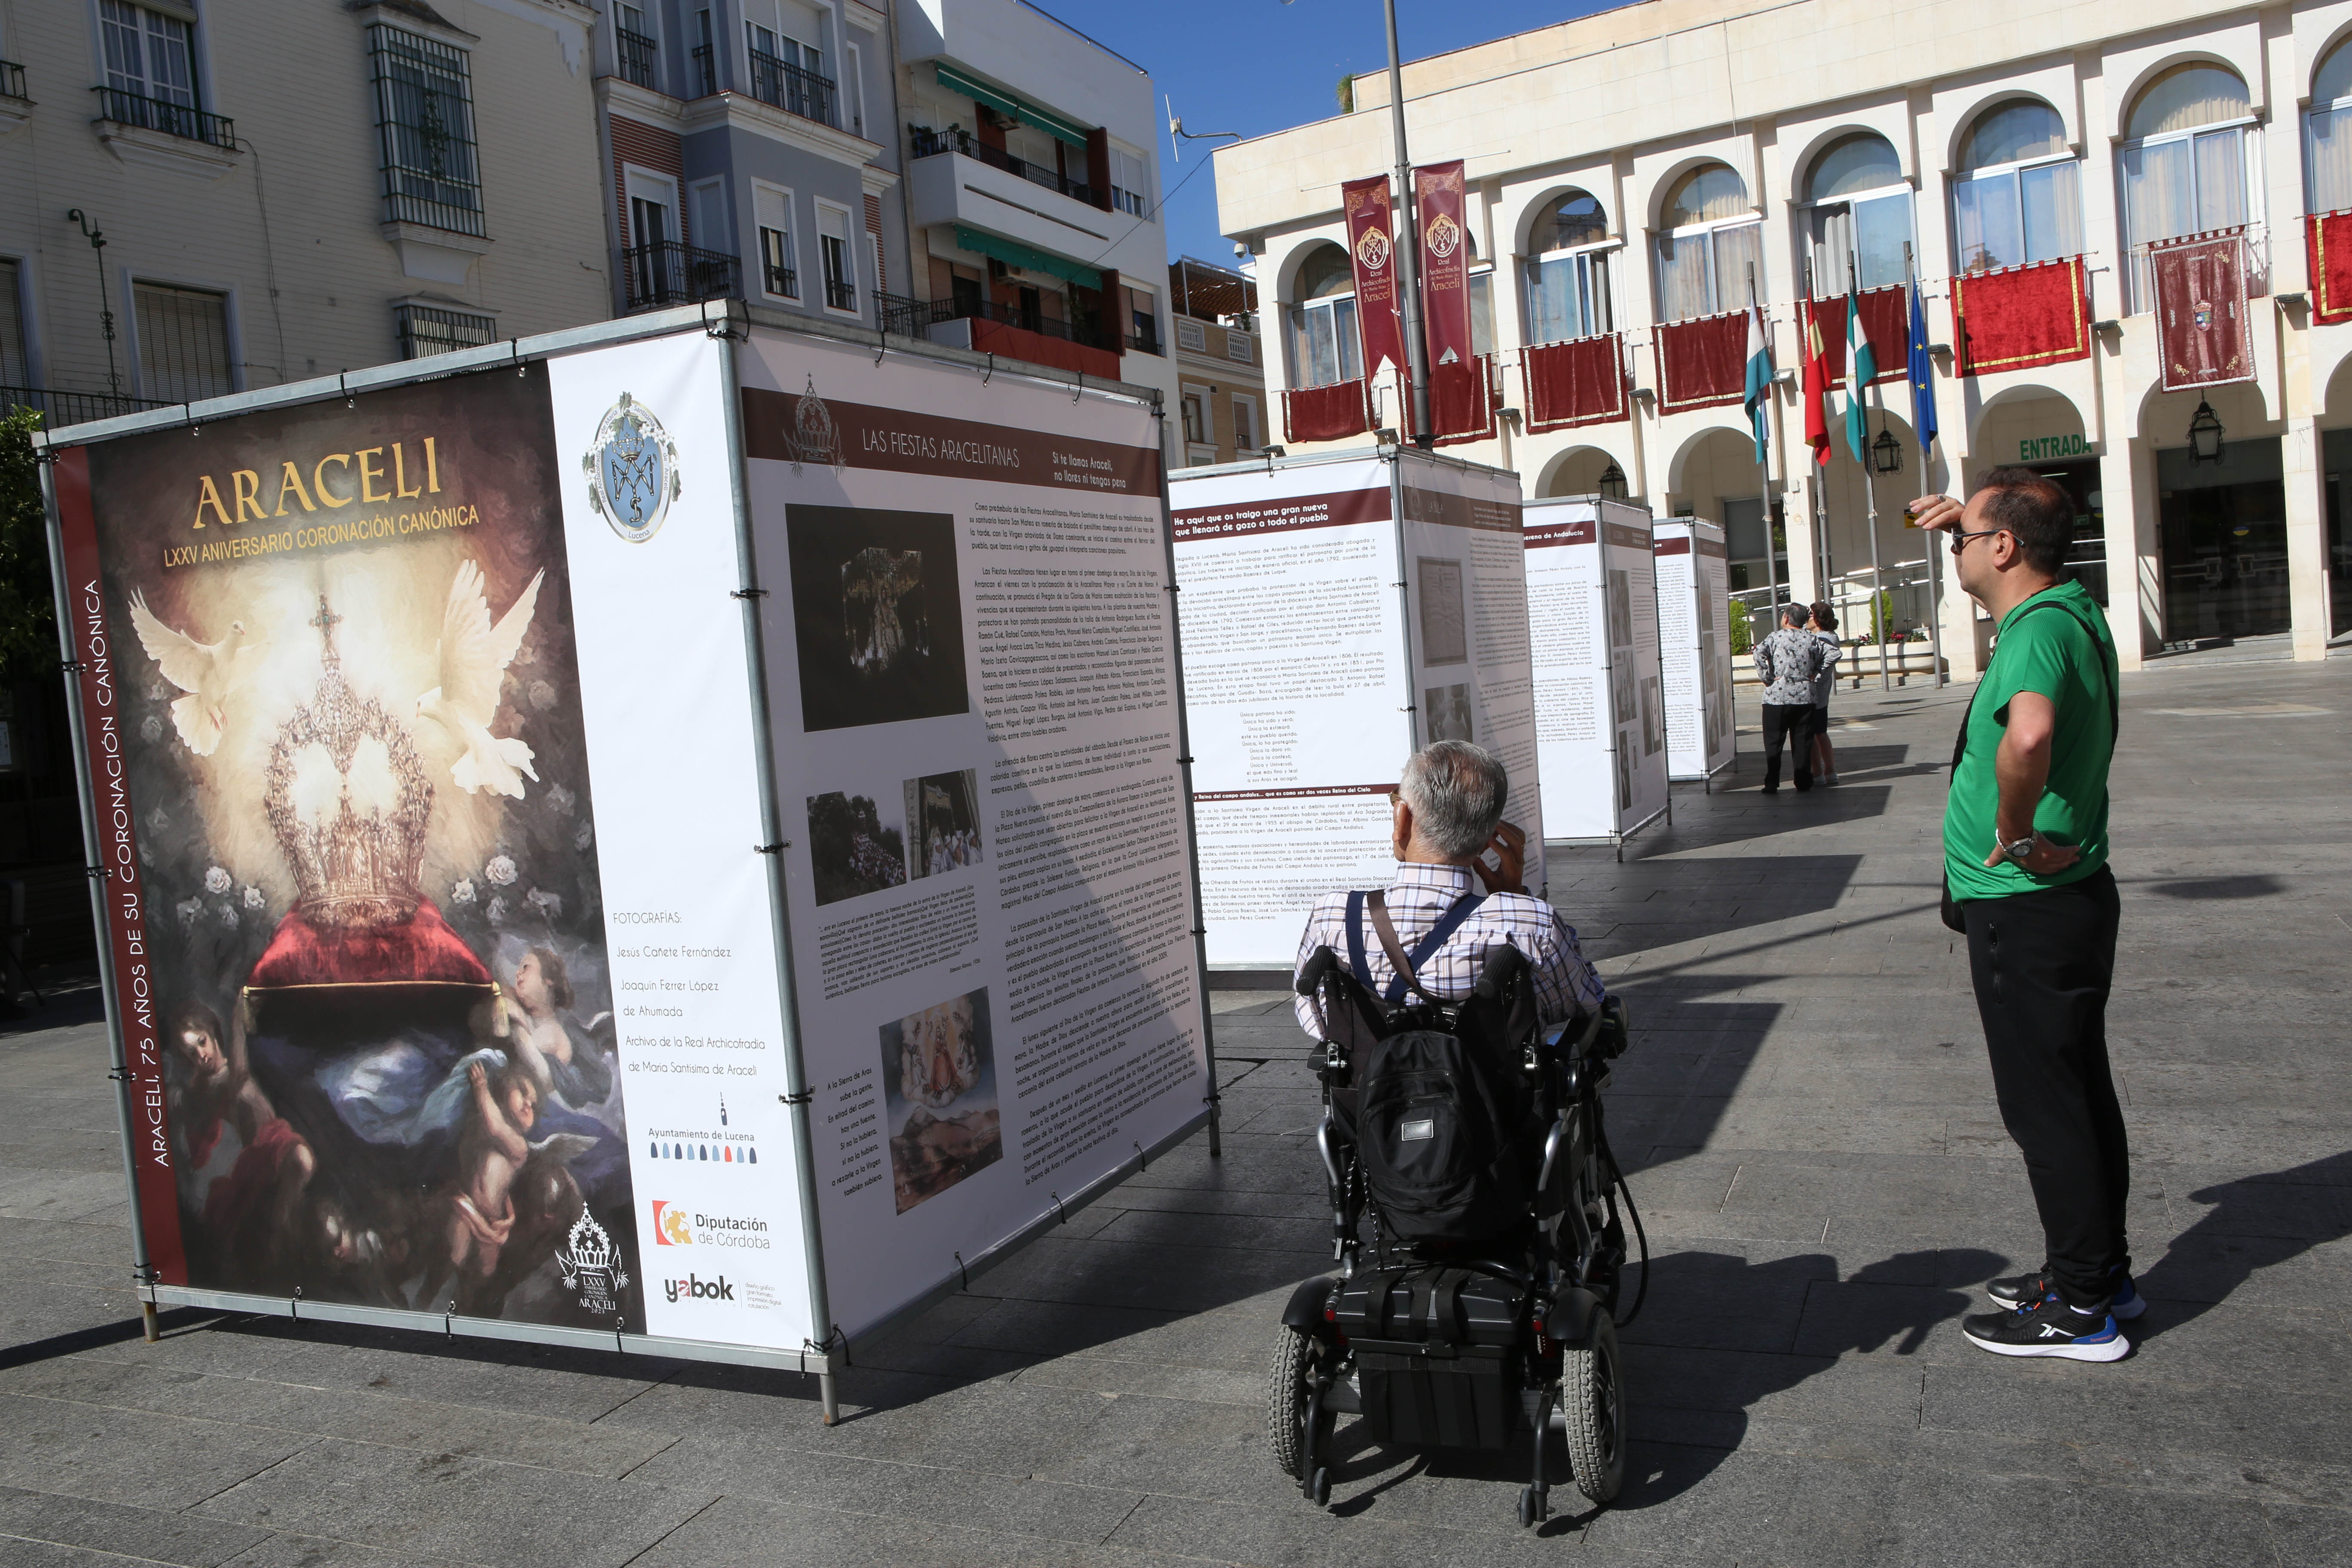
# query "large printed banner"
(426, 988)
(1694, 645)
(973, 684)
(2201, 309)
(1600, 694)
(1372, 251)
(1305, 678)
(1444, 262)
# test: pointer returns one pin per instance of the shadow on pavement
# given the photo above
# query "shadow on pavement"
(2256, 1222)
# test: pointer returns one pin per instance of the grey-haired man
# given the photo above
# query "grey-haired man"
(1787, 662)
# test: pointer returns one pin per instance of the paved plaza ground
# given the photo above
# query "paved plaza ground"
(1809, 1128)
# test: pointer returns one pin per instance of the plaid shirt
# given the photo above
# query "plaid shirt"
(1564, 982)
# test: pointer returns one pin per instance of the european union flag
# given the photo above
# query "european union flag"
(1923, 373)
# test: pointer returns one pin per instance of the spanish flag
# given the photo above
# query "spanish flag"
(1816, 388)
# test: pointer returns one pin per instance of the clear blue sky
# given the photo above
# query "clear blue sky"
(1256, 66)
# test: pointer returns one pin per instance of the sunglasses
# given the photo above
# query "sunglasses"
(1957, 539)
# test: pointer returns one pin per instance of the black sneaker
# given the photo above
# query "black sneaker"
(2048, 1327)
(2126, 1303)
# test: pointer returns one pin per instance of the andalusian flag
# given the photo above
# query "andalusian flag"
(1860, 368)
(1757, 399)
(1817, 387)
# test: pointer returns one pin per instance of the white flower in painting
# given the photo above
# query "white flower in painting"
(461, 891)
(215, 881)
(157, 692)
(253, 899)
(228, 916)
(151, 729)
(563, 799)
(189, 911)
(496, 912)
(542, 695)
(500, 871)
(549, 905)
(585, 837)
(157, 821)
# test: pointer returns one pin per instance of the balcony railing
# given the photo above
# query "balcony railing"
(668, 273)
(931, 144)
(1144, 340)
(61, 409)
(639, 55)
(784, 281)
(841, 296)
(171, 118)
(794, 90)
(12, 79)
(915, 318)
(705, 69)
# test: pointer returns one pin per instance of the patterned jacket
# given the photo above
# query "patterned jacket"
(1786, 662)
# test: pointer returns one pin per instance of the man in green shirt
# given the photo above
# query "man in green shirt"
(2025, 863)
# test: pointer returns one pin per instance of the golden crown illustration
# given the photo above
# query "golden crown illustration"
(348, 799)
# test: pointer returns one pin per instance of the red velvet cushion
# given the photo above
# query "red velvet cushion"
(419, 950)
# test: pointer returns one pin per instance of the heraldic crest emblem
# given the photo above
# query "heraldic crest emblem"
(632, 469)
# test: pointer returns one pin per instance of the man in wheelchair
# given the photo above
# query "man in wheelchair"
(1466, 1041)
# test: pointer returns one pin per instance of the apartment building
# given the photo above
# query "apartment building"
(1033, 193)
(2047, 173)
(748, 153)
(1220, 364)
(284, 191)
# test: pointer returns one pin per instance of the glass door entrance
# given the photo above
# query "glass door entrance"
(2224, 537)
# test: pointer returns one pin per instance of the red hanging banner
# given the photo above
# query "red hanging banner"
(1371, 250)
(2023, 317)
(1581, 382)
(1444, 262)
(2329, 236)
(2201, 309)
(1326, 413)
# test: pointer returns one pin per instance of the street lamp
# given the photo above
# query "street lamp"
(1886, 452)
(1612, 483)
(2205, 435)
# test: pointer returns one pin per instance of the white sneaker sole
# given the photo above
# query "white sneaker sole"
(2114, 1349)
(2123, 1314)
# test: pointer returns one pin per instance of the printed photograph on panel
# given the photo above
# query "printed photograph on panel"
(1445, 711)
(943, 810)
(878, 615)
(1654, 717)
(940, 1078)
(1620, 609)
(1624, 770)
(1444, 623)
(1621, 695)
(353, 743)
(852, 849)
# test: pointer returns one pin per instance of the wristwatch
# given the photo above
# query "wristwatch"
(2019, 848)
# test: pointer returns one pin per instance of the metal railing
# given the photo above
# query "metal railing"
(705, 69)
(931, 144)
(61, 409)
(840, 295)
(665, 272)
(914, 318)
(171, 118)
(12, 79)
(1144, 341)
(784, 281)
(639, 55)
(794, 90)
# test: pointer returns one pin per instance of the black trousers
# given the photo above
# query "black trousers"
(2043, 963)
(1792, 723)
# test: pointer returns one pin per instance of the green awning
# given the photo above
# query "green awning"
(1003, 102)
(1013, 253)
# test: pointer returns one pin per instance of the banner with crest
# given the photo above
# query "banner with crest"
(1444, 262)
(2201, 309)
(1371, 252)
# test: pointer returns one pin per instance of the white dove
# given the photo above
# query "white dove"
(474, 656)
(207, 672)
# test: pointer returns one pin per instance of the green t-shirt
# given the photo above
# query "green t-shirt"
(2046, 650)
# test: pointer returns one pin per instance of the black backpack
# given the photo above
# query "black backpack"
(1442, 1107)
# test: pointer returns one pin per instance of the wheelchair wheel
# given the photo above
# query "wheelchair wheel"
(1289, 1396)
(1592, 1397)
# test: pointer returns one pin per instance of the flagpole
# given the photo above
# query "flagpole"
(1869, 482)
(1820, 469)
(1935, 573)
(1416, 354)
(1764, 489)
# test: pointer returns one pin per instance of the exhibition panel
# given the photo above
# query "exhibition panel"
(1694, 647)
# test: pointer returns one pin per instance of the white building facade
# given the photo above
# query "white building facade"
(1639, 168)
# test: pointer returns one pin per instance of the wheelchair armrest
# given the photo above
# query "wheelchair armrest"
(1321, 962)
(1504, 964)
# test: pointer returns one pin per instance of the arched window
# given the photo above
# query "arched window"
(1568, 270)
(1860, 213)
(2017, 197)
(1325, 347)
(1709, 244)
(2328, 134)
(2185, 163)
(1482, 298)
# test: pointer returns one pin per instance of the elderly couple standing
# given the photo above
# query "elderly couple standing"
(1798, 665)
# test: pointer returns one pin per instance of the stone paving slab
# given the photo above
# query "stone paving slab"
(1810, 1129)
